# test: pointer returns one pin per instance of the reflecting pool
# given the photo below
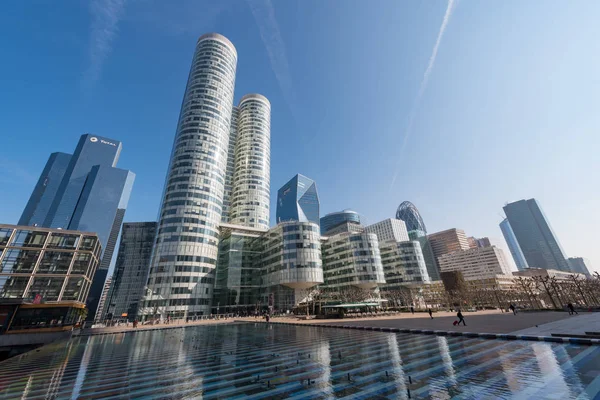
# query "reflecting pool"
(262, 361)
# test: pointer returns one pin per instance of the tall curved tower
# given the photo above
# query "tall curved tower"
(181, 277)
(251, 178)
(408, 213)
(415, 226)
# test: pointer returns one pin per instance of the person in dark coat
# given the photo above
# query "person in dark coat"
(430, 313)
(461, 318)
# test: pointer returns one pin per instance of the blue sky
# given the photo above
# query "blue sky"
(508, 108)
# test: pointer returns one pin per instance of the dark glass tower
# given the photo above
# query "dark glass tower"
(298, 200)
(84, 192)
(536, 238)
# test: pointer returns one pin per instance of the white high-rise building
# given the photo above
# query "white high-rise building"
(389, 229)
(250, 193)
(233, 131)
(183, 265)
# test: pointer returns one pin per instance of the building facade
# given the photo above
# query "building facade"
(513, 245)
(403, 265)
(47, 273)
(333, 219)
(352, 260)
(580, 265)
(250, 193)
(290, 263)
(478, 242)
(233, 131)
(89, 194)
(548, 273)
(477, 263)
(417, 230)
(131, 270)
(389, 229)
(348, 226)
(448, 241)
(191, 211)
(102, 303)
(298, 200)
(535, 236)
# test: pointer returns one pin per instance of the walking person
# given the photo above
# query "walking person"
(412, 309)
(430, 313)
(513, 309)
(461, 318)
(572, 309)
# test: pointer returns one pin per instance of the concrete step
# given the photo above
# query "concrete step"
(567, 335)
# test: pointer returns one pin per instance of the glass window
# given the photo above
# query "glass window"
(48, 288)
(74, 289)
(63, 241)
(4, 236)
(55, 262)
(88, 243)
(13, 287)
(19, 261)
(29, 238)
(81, 263)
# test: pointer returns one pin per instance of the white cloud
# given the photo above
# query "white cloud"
(264, 14)
(423, 86)
(106, 15)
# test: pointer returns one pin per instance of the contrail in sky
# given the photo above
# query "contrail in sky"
(423, 86)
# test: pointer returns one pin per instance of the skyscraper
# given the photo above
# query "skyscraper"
(45, 190)
(250, 193)
(233, 130)
(334, 219)
(415, 226)
(513, 245)
(580, 265)
(89, 194)
(182, 272)
(131, 270)
(535, 235)
(389, 229)
(298, 200)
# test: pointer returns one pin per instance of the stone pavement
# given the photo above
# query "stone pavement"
(490, 321)
(573, 325)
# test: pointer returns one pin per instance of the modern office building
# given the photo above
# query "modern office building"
(131, 271)
(347, 226)
(548, 273)
(333, 219)
(45, 276)
(389, 229)
(89, 194)
(352, 260)
(477, 263)
(238, 277)
(415, 226)
(290, 263)
(448, 241)
(45, 190)
(233, 131)
(403, 265)
(250, 193)
(408, 213)
(580, 265)
(101, 311)
(478, 242)
(535, 236)
(205, 187)
(298, 200)
(513, 245)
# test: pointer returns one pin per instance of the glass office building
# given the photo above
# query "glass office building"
(513, 245)
(45, 274)
(250, 193)
(334, 219)
(535, 236)
(89, 194)
(131, 270)
(417, 230)
(185, 256)
(403, 265)
(298, 200)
